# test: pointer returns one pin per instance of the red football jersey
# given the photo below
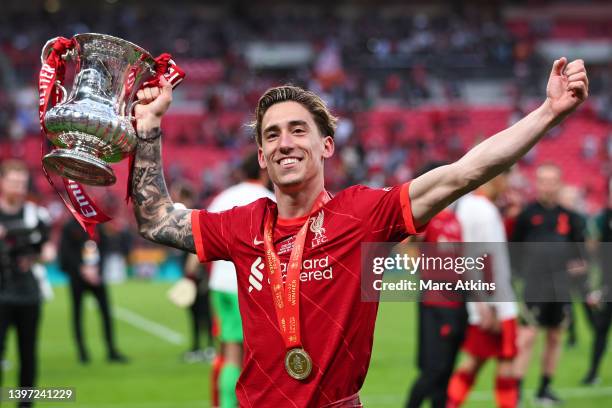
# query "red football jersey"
(444, 227)
(337, 328)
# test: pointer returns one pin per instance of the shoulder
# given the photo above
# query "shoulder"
(356, 196)
(529, 209)
(239, 195)
(570, 213)
(475, 205)
(257, 206)
(600, 218)
(366, 191)
(254, 191)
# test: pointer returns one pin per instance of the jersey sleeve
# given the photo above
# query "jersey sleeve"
(213, 234)
(386, 212)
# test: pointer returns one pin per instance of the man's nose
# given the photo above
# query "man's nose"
(286, 141)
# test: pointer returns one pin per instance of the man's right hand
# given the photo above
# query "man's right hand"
(91, 274)
(488, 319)
(154, 102)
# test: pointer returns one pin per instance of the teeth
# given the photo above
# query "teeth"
(288, 160)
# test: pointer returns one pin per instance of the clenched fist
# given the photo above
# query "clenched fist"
(154, 102)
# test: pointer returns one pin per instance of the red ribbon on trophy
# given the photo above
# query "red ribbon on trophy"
(52, 74)
(164, 65)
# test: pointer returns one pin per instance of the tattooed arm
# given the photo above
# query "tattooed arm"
(158, 220)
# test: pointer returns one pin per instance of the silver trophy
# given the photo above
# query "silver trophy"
(92, 126)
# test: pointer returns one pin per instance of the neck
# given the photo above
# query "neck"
(9, 206)
(294, 204)
(547, 203)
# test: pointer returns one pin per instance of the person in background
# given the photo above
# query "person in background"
(600, 300)
(442, 320)
(199, 310)
(492, 330)
(224, 286)
(120, 240)
(570, 198)
(550, 231)
(82, 258)
(24, 229)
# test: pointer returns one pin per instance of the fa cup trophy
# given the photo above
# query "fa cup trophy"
(92, 126)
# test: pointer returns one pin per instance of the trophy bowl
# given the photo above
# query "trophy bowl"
(92, 126)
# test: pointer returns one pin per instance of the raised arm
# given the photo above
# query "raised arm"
(158, 220)
(433, 191)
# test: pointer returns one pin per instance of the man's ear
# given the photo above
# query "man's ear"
(328, 147)
(260, 158)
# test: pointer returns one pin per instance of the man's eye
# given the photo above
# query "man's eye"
(298, 130)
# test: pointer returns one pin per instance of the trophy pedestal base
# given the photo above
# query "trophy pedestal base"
(80, 166)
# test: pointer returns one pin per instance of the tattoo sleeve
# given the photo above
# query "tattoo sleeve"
(158, 220)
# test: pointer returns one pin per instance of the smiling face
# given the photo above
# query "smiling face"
(292, 146)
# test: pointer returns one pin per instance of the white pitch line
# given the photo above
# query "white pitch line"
(149, 326)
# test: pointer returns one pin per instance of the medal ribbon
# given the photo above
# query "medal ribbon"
(52, 73)
(286, 297)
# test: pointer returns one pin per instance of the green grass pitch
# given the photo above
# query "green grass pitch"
(157, 377)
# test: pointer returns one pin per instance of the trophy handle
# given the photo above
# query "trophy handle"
(63, 91)
(131, 109)
(46, 50)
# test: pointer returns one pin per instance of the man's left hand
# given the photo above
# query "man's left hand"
(568, 87)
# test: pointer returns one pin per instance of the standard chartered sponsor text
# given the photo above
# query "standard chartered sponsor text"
(315, 269)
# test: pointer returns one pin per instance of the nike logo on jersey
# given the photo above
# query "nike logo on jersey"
(257, 242)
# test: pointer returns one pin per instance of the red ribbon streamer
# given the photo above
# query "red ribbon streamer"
(52, 72)
(164, 65)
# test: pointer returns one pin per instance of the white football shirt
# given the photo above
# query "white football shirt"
(481, 222)
(223, 273)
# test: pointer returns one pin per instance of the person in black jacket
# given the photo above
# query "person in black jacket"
(24, 228)
(600, 300)
(82, 258)
(550, 232)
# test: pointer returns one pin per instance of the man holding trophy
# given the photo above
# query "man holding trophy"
(307, 334)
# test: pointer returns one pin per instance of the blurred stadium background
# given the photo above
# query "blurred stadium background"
(412, 82)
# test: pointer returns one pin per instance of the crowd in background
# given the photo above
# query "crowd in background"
(365, 58)
(400, 79)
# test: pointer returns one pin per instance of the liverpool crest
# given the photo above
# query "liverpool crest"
(316, 226)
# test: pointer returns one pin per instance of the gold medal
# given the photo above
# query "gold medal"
(298, 363)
